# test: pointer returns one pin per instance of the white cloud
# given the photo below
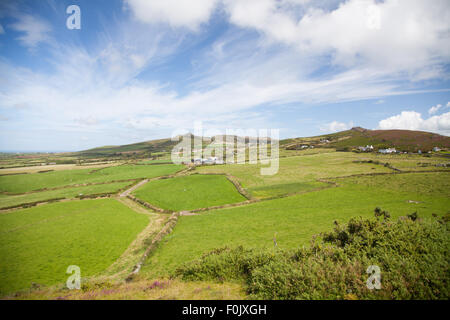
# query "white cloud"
(411, 120)
(36, 30)
(353, 33)
(336, 126)
(435, 109)
(414, 32)
(177, 13)
(102, 86)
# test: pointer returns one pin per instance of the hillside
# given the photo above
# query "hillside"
(152, 146)
(404, 140)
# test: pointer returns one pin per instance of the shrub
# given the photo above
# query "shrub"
(412, 254)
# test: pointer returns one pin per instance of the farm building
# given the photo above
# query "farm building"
(366, 148)
(210, 160)
(386, 151)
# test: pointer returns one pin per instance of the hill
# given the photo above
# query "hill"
(404, 140)
(152, 146)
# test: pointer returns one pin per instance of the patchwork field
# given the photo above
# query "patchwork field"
(296, 174)
(107, 237)
(68, 193)
(294, 220)
(37, 181)
(38, 244)
(190, 192)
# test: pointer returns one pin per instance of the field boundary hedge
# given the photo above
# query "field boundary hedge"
(148, 205)
(168, 227)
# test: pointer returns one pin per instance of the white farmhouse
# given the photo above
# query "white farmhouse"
(386, 151)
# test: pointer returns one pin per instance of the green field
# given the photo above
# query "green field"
(296, 174)
(190, 192)
(38, 244)
(296, 219)
(68, 193)
(36, 181)
(312, 189)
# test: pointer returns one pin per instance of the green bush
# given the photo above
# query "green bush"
(412, 254)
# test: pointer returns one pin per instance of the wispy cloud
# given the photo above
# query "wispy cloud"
(36, 30)
(272, 53)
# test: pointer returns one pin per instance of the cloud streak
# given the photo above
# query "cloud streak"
(273, 53)
(35, 30)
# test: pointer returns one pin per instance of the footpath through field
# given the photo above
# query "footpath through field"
(128, 191)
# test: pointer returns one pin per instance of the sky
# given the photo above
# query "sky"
(139, 70)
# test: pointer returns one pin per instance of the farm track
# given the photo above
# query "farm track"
(166, 229)
(133, 254)
(128, 191)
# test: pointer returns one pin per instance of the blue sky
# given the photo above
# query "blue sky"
(140, 70)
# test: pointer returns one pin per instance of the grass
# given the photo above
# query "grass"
(38, 244)
(37, 181)
(144, 290)
(286, 189)
(189, 192)
(296, 219)
(157, 161)
(296, 174)
(104, 237)
(68, 193)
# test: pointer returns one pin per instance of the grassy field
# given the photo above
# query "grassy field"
(68, 193)
(36, 181)
(296, 219)
(38, 244)
(296, 174)
(107, 237)
(190, 192)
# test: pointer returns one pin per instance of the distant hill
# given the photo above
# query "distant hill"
(146, 147)
(404, 140)
(153, 146)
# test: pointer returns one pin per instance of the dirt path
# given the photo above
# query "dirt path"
(128, 191)
(136, 250)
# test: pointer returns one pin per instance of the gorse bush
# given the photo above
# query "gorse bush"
(412, 255)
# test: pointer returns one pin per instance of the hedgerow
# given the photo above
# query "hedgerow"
(412, 254)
